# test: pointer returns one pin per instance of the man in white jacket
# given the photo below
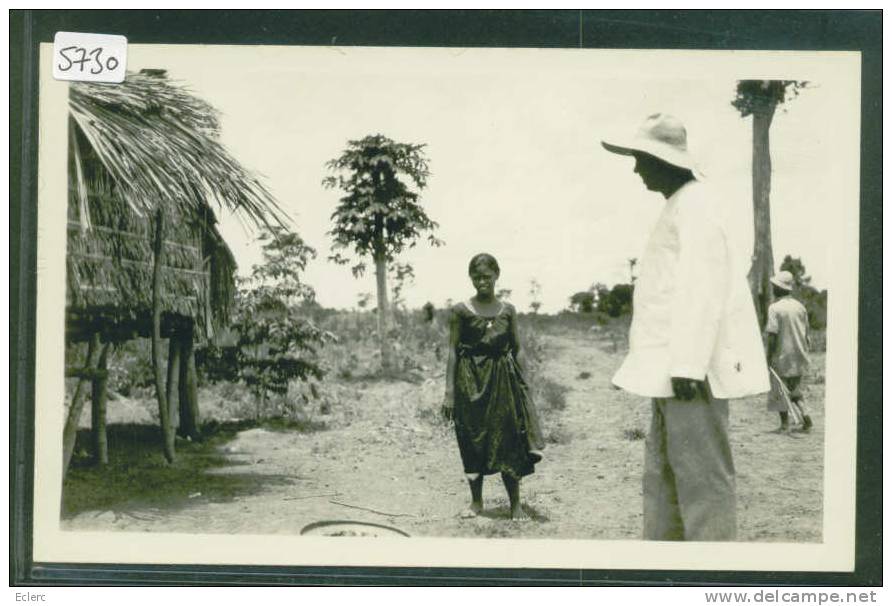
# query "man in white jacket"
(693, 344)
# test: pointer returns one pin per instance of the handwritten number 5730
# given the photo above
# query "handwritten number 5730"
(94, 55)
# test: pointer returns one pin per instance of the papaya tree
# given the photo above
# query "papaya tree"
(760, 99)
(379, 215)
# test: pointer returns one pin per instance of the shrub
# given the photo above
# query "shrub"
(130, 367)
(216, 363)
(815, 303)
(277, 342)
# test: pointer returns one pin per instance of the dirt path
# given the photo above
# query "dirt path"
(392, 464)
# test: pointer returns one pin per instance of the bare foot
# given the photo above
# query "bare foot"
(472, 511)
(519, 515)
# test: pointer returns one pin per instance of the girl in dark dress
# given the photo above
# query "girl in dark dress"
(486, 395)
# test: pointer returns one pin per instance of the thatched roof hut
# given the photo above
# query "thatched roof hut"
(146, 171)
(136, 148)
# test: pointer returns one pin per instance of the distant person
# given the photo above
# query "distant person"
(787, 332)
(694, 343)
(487, 396)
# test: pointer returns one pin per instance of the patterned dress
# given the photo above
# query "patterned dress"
(495, 420)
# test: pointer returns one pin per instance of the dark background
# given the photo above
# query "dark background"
(717, 30)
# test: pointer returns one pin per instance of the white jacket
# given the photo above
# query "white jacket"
(693, 315)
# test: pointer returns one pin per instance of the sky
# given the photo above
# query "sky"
(513, 142)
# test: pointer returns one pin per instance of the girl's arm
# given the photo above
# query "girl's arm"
(449, 398)
(516, 349)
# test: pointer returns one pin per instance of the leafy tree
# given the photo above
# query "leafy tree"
(535, 295)
(814, 300)
(601, 292)
(795, 267)
(760, 99)
(504, 294)
(617, 301)
(614, 302)
(379, 215)
(583, 301)
(276, 342)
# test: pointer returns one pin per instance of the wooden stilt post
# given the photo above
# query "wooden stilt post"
(173, 377)
(160, 388)
(69, 435)
(100, 389)
(189, 413)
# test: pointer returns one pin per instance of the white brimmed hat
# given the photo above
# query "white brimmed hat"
(662, 136)
(783, 279)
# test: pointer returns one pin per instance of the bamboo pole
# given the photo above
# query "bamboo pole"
(160, 387)
(69, 434)
(189, 413)
(99, 393)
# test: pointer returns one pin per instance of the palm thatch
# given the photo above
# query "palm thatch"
(159, 143)
(138, 148)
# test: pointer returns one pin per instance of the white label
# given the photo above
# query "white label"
(91, 57)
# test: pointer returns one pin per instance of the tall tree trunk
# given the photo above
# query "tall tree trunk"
(762, 267)
(174, 349)
(69, 434)
(99, 393)
(383, 314)
(160, 387)
(189, 417)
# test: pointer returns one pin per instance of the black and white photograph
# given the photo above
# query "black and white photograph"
(449, 306)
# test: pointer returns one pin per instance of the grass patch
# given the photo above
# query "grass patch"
(137, 475)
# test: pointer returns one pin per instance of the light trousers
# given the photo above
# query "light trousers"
(689, 485)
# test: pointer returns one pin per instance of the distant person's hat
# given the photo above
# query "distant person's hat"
(662, 136)
(783, 279)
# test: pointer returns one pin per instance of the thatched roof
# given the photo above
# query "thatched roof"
(135, 148)
(159, 143)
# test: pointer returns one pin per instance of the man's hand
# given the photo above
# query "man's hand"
(687, 389)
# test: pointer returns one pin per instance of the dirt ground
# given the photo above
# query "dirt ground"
(386, 459)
